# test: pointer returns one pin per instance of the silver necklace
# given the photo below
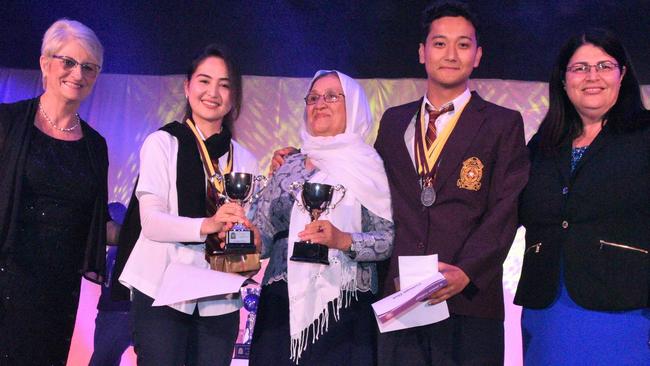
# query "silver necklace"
(47, 118)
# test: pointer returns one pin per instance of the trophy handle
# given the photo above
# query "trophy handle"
(218, 177)
(260, 182)
(293, 188)
(337, 188)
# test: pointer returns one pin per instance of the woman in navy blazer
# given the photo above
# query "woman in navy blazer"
(586, 209)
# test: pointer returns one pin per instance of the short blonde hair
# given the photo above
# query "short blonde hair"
(64, 30)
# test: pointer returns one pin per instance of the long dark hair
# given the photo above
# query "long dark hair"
(562, 122)
(220, 51)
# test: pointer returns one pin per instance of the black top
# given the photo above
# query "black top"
(595, 221)
(58, 193)
(17, 132)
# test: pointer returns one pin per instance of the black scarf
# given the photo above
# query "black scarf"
(191, 192)
(191, 189)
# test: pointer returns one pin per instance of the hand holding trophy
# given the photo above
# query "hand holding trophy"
(239, 254)
(315, 198)
(239, 188)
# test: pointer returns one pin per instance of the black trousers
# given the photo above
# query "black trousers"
(166, 337)
(458, 340)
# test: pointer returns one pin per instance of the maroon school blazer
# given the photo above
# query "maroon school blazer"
(472, 224)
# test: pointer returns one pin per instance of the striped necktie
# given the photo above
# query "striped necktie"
(432, 133)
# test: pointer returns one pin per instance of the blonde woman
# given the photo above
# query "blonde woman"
(53, 201)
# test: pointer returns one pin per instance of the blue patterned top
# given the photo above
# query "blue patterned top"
(576, 155)
(272, 212)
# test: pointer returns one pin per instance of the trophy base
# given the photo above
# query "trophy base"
(242, 351)
(310, 253)
(239, 242)
(245, 264)
(239, 249)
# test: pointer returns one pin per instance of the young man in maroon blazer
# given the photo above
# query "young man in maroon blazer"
(456, 165)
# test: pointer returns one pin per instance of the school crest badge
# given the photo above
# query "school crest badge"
(471, 174)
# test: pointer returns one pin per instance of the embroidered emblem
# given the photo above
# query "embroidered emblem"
(471, 174)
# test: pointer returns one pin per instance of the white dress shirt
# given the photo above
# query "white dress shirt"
(409, 135)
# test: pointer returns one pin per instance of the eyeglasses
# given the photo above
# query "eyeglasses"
(585, 68)
(87, 69)
(328, 98)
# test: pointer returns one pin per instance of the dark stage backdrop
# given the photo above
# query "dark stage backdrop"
(366, 38)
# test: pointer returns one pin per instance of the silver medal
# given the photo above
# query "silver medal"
(428, 195)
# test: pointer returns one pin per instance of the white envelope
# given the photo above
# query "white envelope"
(415, 268)
(414, 271)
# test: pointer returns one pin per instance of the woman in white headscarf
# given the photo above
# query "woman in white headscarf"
(312, 313)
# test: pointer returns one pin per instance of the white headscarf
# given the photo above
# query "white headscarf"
(348, 160)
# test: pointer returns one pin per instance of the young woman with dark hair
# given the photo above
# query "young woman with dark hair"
(172, 195)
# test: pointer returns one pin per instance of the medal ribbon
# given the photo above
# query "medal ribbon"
(426, 163)
(214, 186)
(211, 166)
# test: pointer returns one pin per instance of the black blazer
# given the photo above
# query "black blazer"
(469, 228)
(595, 221)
